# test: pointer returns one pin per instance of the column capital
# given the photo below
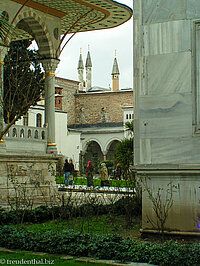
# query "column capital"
(105, 152)
(50, 66)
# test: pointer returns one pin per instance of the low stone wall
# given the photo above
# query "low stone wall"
(27, 180)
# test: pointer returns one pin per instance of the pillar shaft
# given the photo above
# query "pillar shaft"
(50, 67)
(3, 52)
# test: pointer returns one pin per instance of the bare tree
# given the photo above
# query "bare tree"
(162, 201)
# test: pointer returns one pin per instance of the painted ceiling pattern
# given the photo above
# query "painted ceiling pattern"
(83, 15)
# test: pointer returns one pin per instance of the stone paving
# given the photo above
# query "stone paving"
(82, 259)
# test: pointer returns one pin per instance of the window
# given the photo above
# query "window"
(43, 135)
(36, 134)
(14, 133)
(39, 120)
(22, 135)
(29, 133)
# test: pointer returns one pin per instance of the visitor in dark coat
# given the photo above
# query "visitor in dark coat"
(67, 171)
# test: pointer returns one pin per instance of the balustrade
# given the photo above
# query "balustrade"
(27, 133)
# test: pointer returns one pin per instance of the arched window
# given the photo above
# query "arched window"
(36, 134)
(43, 134)
(39, 120)
(14, 133)
(29, 133)
(22, 133)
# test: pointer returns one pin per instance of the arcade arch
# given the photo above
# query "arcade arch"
(93, 152)
(111, 149)
(31, 23)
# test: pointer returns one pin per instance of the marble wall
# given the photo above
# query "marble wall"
(165, 83)
(166, 103)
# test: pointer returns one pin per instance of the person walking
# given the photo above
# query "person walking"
(67, 172)
(89, 174)
(104, 175)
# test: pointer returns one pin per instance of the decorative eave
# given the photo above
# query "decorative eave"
(83, 15)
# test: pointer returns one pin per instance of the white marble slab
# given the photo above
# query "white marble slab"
(145, 151)
(167, 37)
(166, 116)
(175, 150)
(163, 10)
(168, 73)
(193, 9)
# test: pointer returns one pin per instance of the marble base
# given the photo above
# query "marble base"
(184, 214)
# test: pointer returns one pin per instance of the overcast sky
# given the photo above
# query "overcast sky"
(102, 49)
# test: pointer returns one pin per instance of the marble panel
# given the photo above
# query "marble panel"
(175, 150)
(168, 73)
(167, 37)
(145, 151)
(166, 116)
(193, 9)
(163, 10)
(184, 214)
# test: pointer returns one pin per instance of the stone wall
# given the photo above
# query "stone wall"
(27, 178)
(91, 108)
(102, 107)
(70, 87)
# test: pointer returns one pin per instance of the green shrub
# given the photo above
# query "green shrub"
(103, 247)
(41, 214)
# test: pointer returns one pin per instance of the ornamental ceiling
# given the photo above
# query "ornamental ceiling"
(82, 15)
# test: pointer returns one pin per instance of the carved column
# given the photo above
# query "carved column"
(50, 66)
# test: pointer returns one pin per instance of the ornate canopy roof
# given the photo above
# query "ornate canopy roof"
(83, 15)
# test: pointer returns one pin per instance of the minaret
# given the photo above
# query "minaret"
(80, 71)
(88, 67)
(115, 75)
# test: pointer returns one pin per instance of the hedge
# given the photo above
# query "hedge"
(44, 213)
(102, 247)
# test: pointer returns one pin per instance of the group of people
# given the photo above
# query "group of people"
(68, 170)
(103, 174)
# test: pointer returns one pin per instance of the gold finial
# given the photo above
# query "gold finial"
(88, 47)
(80, 50)
(115, 52)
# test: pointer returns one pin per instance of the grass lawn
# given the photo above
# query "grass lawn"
(98, 225)
(9, 258)
(97, 182)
